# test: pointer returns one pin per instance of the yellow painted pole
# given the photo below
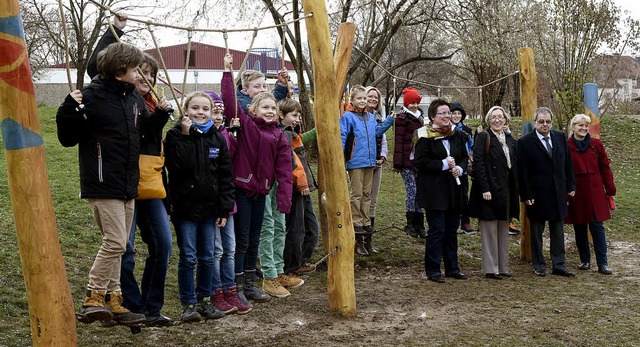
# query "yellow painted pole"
(51, 312)
(341, 287)
(528, 104)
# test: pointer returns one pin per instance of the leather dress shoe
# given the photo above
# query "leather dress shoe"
(505, 274)
(604, 269)
(584, 266)
(540, 273)
(458, 276)
(437, 279)
(494, 276)
(564, 273)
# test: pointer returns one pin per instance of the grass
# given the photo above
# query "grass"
(395, 303)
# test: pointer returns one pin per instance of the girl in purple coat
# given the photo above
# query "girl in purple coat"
(262, 157)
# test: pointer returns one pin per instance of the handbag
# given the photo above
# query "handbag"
(150, 185)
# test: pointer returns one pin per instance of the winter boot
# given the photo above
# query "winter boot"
(207, 310)
(121, 315)
(419, 223)
(410, 228)
(253, 293)
(221, 304)
(190, 314)
(240, 289)
(368, 245)
(231, 296)
(273, 288)
(360, 250)
(290, 281)
(94, 308)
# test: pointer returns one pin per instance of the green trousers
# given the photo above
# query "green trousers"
(272, 237)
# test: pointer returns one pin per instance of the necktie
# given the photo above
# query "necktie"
(548, 145)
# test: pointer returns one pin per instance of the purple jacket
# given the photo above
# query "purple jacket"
(406, 125)
(262, 154)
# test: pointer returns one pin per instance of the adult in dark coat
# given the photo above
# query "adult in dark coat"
(594, 184)
(440, 159)
(545, 175)
(494, 193)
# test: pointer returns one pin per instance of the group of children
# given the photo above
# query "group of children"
(233, 198)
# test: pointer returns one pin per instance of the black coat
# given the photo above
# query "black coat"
(108, 139)
(491, 174)
(200, 174)
(543, 178)
(436, 188)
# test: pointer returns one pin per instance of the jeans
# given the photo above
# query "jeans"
(196, 242)
(442, 242)
(248, 222)
(224, 253)
(599, 242)
(155, 231)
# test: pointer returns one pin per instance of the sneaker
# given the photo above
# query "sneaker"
(190, 314)
(94, 308)
(513, 230)
(273, 288)
(221, 304)
(306, 267)
(159, 321)
(290, 281)
(467, 229)
(231, 297)
(121, 315)
(207, 311)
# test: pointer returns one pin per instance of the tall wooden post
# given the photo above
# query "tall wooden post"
(528, 105)
(50, 305)
(591, 108)
(341, 287)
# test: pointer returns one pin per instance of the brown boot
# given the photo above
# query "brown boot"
(360, 249)
(121, 315)
(368, 246)
(94, 308)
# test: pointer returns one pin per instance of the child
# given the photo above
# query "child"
(226, 297)
(408, 121)
(302, 230)
(199, 166)
(149, 214)
(109, 146)
(458, 115)
(254, 83)
(263, 156)
(359, 129)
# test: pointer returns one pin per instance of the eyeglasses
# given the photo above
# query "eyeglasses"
(443, 113)
(542, 121)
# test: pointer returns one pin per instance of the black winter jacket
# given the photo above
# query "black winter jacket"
(200, 174)
(108, 139)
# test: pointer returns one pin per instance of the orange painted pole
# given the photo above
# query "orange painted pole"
(53, 321)
(529, 103)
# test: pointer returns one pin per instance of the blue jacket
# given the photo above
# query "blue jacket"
(279, 92)
(359, 131)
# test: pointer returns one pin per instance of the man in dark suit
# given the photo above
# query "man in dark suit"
(546, 178)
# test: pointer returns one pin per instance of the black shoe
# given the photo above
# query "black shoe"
(604, 269)
(253, 293)
(563, 273)
(540, 273)
(458, 276)
(506, 274)
(251, 276)
(368, 229)
(208, 311)
(411, 231)
(494, 276)
(159, 321)
(437, 279)
(584, 266)
(359, 230)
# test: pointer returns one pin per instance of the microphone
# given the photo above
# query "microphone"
(170, 111)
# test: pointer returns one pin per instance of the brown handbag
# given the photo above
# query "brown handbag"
(150, 185)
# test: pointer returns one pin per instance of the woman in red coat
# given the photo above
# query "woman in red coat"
(594, 185)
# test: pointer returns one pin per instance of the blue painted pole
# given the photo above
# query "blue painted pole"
(591, 108)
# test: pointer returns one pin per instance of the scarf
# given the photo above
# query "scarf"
(150, 102)
(584, 144)
(204, 127)
(350, 108)
(433, 132)
(503, 142)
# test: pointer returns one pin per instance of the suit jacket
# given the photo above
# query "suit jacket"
(544, 178)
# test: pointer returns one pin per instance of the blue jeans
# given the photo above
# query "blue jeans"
(155, 231)
(196, 242)
(248, 223)
(599, 242)
(442, 242)
(223, 256)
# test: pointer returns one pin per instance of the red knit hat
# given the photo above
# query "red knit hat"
(410, 95)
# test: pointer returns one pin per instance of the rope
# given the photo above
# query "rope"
(246, 57)
(66, 45)
(323, 259)
(186, 65)
(148, 22)
(284, 42)
(164, 68)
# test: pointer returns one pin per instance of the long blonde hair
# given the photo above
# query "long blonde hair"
(256, 101)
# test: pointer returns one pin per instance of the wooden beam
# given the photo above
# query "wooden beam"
(50, 304)
(341, 287)
(529, 103)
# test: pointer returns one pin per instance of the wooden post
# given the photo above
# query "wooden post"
(591, 108)
(341, 287)
(50, 305)
(528, 105)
